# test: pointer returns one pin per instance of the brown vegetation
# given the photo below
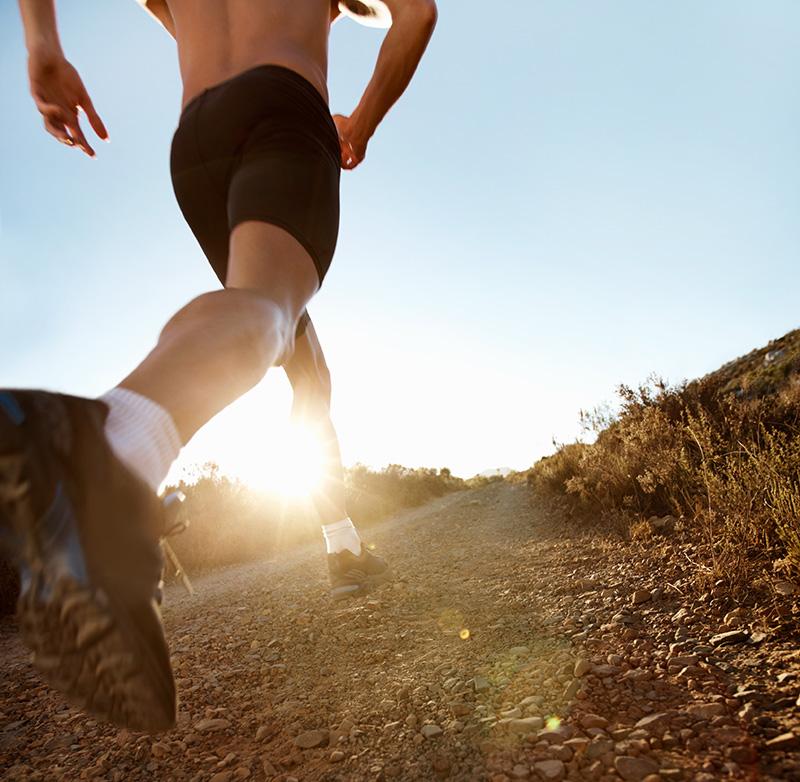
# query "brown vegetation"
(721, 454)
(229, 522)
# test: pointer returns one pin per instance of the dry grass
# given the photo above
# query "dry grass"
(721, 454)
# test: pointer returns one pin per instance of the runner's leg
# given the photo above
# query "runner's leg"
(222, 343)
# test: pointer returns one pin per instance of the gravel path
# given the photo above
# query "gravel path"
(505, 649)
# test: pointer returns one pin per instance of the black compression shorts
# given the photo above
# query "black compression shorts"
(260, 146)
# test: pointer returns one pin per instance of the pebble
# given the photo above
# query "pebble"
(641, 596)
(551, 769)
(784, 742)
(430, 731)
(480, 684)
(212, 725)
(337, 756)
(593, 721)
(731, 637)
(705, 711)
(582, 667)
(634, 769)
(653, 722)
(525, 725)
(312, 738)
(744, 754)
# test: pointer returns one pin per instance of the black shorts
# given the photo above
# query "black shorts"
(260, 146)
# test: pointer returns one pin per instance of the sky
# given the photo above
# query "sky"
(570, 195)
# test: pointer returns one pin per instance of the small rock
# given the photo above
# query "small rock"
(337, 756)
(222, 776)
(242, 773)
(582, 667)
(634, 769)
(705, 711)
(731, 637)
(641, 596)
(653, 722)
(227, 760)
(526, 725)
(430, 731)
(784, 742)
(593, 721)
(481, 684)
(312, 738)
(520, 772)
(265, 731)
(785, 588)
(572, 689)
(744, 754)
(212, 725)
(550, 769)
(605, 671)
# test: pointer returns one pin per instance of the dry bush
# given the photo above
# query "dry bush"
(230, 523)
(726, 462)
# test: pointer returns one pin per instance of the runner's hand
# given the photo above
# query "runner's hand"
(59, 93)
(353, 150)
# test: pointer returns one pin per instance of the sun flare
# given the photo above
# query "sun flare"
(291, 464)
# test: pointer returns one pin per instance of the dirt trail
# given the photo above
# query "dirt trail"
(496, 625)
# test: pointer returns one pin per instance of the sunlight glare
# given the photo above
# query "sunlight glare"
(290, 463)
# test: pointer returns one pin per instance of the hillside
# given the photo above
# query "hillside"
(763, 372)
(716, 460)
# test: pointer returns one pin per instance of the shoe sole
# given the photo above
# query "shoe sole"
(107, 655)
(84, 649)
(365, 585)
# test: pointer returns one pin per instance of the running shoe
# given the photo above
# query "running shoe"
(83, 531)
(353, 575)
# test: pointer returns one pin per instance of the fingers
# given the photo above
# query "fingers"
(349, 158)
(74, 128)
(94, 118)
(57, 130)
(63, 124)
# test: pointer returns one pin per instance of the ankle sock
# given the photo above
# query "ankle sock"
(142, 434)
(341, 535)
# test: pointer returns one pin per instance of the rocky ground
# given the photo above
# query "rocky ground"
(504, 650)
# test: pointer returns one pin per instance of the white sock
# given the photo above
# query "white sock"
(142, 434)
(341, 535)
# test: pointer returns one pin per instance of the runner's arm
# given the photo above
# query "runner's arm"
(56, 87)
(405, 43)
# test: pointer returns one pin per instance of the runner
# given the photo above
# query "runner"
(255, 165)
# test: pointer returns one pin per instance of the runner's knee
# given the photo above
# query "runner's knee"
(250, 330)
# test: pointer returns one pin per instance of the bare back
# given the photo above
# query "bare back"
(218, 39)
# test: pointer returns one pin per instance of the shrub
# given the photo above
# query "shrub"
(721, 452)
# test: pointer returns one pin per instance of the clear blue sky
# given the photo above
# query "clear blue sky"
(579, 197)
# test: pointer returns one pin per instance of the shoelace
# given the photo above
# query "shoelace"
(175, 522)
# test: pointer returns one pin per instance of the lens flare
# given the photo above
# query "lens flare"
(553, 723)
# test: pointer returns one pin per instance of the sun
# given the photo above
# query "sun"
(256, 441)
(290, 463)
